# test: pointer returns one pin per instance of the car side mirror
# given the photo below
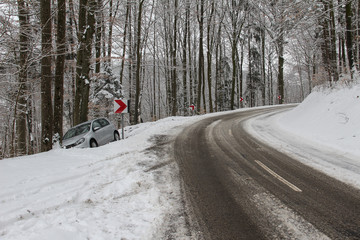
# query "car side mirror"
(96, 128)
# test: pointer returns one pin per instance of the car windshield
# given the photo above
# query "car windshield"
(77, 131)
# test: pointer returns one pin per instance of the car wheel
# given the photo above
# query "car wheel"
(116, 136)
(93, 143)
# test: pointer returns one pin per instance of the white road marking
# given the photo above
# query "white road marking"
(230, 132)
(292, 186)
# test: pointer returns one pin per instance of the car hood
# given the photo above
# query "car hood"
(73, 139)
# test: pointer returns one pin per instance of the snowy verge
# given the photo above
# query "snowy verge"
(129, 189)
(123, 190)
(322, 132)
(330, 117)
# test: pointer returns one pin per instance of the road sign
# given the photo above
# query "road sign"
(120, 106)
(241, 99)
(192, 107)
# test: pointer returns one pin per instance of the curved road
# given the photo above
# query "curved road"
(238, 188)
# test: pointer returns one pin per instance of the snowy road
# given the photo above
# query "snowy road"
(238, 186)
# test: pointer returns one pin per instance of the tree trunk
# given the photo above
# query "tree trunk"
(80, 83)
(333, 60)
(111, 22)
(201, 56)
(59, 70)
(281, 68)
(124, 41)
(21, 103)
(184, 63)
(210, 39)
(86, 33)
(263, 71)
(86, 63)
(174, 65)
(138, 62)
(46, 76)
(325, 45)
(349, 42)
(241, 74)
(98, 37)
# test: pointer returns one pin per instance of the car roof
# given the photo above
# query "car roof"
(89, 121)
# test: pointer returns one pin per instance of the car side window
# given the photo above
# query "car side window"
(96, 124)
(104, 122)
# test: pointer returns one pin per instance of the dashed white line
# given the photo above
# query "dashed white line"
(277, 176)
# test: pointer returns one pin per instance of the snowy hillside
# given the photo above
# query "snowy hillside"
(130, 189)
(122, 190)
(330, 117)
(322, 132)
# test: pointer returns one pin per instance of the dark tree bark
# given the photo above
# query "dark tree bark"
(237, 16)
(263, 73)
(86, 34)
(184, 62)
(21, 103)
(328, 46)
(46, 76)
(281, 67)
(325, 44)
(333, 60)
(124, 41)
(111, 23)
(174, 65)
(349, 41)
(210, 42)
(201, 56)
(86, 63)
(59, 70)
(79, 83)
(98, 36)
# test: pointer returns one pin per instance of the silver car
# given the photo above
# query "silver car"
(92, 133)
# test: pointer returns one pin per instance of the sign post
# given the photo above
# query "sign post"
(121, 106)
(192, 108)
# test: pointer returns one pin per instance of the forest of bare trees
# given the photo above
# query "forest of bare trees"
(63, 62)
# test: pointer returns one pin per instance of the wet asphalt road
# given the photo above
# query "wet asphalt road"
(238, 188)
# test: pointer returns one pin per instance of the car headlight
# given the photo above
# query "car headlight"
(80, 141)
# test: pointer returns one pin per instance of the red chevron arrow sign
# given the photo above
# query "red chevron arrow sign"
(120, 106)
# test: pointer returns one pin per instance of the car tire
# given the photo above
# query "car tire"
(116, 136)
(93, 143)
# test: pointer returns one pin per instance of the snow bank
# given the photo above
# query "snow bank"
(322, 132)
(330, 117)
(122, 190)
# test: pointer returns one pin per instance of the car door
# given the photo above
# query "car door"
(99, 132)
(108, 130)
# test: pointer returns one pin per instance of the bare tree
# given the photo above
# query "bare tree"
(46, 76)
(59, 69)
(138, 62)
(174, 63)
(21, 99)
(201, 72)
(86, 34)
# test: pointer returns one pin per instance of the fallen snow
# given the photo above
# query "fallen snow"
(109, 192)
(127, 190)
(322, 132)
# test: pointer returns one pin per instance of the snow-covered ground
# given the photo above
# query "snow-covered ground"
(123, 190)
(130, 189)
(323, 131)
